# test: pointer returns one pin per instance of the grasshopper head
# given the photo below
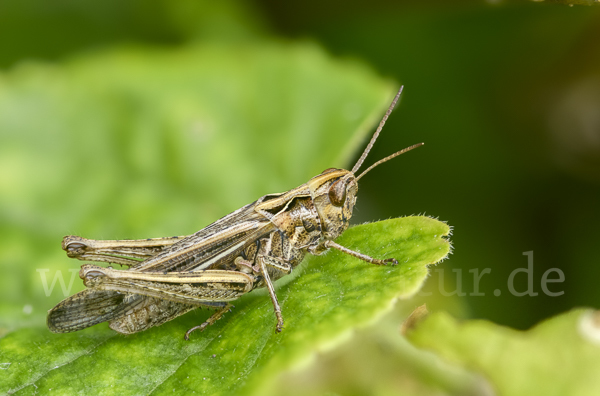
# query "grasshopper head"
(334, 196)
(334, 190)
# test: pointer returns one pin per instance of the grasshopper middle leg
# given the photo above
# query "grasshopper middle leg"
(263, 262)
(216, 316)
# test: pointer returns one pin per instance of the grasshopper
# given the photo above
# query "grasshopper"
(245, 250)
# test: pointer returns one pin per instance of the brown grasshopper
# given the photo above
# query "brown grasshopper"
(245, 250)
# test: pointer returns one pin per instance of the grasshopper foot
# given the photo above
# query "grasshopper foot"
(201, 328)
(279, 326)
(392, 261)
(216, 316)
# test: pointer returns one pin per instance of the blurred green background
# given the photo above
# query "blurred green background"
(506, 96)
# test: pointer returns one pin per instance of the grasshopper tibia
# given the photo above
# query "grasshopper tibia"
(364, 257)
(216, 316)
(263, 262)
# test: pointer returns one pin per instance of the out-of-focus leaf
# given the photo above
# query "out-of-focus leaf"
(333, 294)
(560, 356)
(33, 29)
(376, 361)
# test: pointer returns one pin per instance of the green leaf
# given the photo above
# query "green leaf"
(329, 296)
(141, 142)
(560, 356)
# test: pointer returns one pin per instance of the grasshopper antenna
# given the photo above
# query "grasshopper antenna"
(376, 134)
(389, 157)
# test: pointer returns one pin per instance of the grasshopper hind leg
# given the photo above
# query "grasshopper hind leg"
(216, 316)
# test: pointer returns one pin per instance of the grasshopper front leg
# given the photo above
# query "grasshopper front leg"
(364, 257)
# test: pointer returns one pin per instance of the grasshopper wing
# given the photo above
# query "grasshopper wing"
(87, 308)
(127, 313)
(218, 243)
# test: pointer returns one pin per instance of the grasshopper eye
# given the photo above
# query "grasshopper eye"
(337, 193)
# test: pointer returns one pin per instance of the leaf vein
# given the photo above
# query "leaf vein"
(86, 352)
